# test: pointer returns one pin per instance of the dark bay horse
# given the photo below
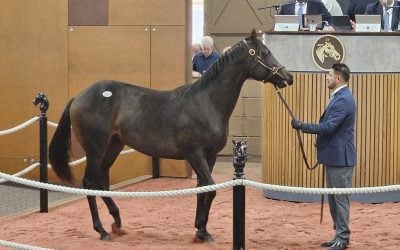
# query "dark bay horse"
(189, 122)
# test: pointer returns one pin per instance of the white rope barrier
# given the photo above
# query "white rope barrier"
(173, 193)
(364, 190)
(52, 124)
(154, 194)
(23, 171)
(19, 246)
(19, 127)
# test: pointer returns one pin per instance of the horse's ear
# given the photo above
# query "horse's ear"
(233, 141)
(253, 35)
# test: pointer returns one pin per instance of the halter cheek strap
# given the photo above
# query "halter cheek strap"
(257, 58)
(274, 70)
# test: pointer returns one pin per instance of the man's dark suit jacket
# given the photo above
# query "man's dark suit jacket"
(335, 131)
(314, 7)
(358, 7)
(376, 9)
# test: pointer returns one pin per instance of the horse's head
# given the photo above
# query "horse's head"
(264, 66)
(330, 50)
(326, 49)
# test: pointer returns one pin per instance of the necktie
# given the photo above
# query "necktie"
(300, 14)
(386, 24)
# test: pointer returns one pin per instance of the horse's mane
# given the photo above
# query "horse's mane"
(225, 59)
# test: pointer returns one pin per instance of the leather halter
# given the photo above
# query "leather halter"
(258, 59)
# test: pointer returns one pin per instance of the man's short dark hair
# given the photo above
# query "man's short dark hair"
(343, 70)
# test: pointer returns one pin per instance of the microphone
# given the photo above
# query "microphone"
(278, 6)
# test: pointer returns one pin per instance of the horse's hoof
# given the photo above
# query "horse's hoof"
(116, 229)
(106, 237)
(202, 236)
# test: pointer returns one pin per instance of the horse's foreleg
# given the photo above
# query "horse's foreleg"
(204, 200)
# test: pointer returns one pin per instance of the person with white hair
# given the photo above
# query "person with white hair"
(204, 59)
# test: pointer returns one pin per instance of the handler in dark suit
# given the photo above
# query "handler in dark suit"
(336, 150)
(358, 7)
(310, 7)
(389, 8)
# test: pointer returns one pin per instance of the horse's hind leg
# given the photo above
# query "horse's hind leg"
(114, 148)
(96, 219)
(96, 176)
(90, 181)
(204, 200)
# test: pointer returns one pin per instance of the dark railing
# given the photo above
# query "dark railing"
(44, 105)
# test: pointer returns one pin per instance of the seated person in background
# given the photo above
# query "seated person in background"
(333, 7)
(389, 16)
(204, 59)
(196, 48)
(304, 7)
(358, 7)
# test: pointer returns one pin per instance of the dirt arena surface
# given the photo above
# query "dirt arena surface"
(168, 223)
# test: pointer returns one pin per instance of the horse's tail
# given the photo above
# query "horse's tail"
(60, 146)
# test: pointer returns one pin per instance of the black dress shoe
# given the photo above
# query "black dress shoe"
(338, 245)
(328, 243)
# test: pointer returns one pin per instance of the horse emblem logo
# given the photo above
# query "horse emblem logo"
(328, 50)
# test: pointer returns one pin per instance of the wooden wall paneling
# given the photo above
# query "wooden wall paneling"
(388, 134)
(396, 128)
(33, 59)
(394, 154)
(320, 105)
(293, 153)
(385, 132)
(372, 121)
(266, 122)
(167, 57)
(316, 84)
(362, 157)
(355, 88)
(396, 122)
(147, 12)
(307, 118)
(381, 118)
(297, 102)
(119, 53)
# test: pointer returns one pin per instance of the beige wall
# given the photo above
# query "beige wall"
(245, 122)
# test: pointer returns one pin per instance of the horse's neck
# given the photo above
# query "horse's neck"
(224, 91)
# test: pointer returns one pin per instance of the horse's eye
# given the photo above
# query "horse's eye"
(266, 54)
